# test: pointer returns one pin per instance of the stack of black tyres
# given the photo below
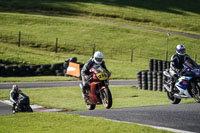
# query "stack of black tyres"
(160, 65)
(150, 80)
(31, 70)
(155, 81)
(160, 80)
(57, 69)
(144, 80)
(139, 77)
(151, 65)
(164, 63)
(155, 65)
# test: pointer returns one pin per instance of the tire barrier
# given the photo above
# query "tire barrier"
(57, 69)
(154, 81)
(139, 77)
(153, 78)
(151, 65)
(158, 65)
(155, 65)
(144, 80)
(150, 80)
(160, 81)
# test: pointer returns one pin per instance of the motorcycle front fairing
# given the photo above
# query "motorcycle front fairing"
(188, 74)
(92, 95)
(182, 85)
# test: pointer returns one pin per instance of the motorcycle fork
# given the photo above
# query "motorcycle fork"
(195, 89)
(101, 95)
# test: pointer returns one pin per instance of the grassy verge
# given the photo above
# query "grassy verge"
(167, 14)
(119, 69)
(60, 122)
(78, 36)
(37, 79)
(70, 98)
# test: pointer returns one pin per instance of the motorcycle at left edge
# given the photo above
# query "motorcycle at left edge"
(23, 105)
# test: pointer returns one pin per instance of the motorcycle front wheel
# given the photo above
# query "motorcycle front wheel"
(195, 92)
(107, 98)
(90, 106)
(173, 99)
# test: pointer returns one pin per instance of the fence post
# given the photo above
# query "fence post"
(166, 56)
(195, 57)
(131, 55)
(56, 45)
(93, 49)
(19, 41)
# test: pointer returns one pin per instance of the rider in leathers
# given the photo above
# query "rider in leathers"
(14, 95)
(176, 63)
(95, 62)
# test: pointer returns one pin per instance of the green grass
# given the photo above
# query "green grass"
(70, 98)
(119, 69)
(78, 36)
(78, 33)
(37, 79)
(60, 122)
(179, 15)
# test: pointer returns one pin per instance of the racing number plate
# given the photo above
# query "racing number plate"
(102, 76)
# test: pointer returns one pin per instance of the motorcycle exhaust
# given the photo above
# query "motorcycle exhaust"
(177, 96)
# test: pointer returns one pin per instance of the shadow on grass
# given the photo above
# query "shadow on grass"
(65, 5)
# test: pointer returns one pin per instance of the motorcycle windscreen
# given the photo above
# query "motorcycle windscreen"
(73, 69)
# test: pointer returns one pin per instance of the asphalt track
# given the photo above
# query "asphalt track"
(24, 85)
(183, 117)
(5, 109)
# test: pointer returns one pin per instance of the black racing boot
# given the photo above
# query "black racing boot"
(13, 108)
(173, 82)
(85, 95)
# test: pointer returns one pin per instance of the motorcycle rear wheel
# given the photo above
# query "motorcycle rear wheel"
(107, 98)
(29, 109)
(173, 99)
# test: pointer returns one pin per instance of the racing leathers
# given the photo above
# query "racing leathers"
(176, 65)
(86, 71)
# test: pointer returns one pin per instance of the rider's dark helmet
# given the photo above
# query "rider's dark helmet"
(15, 88)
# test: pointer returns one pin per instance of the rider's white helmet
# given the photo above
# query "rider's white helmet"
(180, 49)
(98, 57)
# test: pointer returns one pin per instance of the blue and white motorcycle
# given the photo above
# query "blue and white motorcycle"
(187, 84)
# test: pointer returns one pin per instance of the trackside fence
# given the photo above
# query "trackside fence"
(124, 53)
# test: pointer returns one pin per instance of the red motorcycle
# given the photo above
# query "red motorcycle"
(98, 92)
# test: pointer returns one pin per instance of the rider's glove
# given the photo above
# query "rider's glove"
(86, 77)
